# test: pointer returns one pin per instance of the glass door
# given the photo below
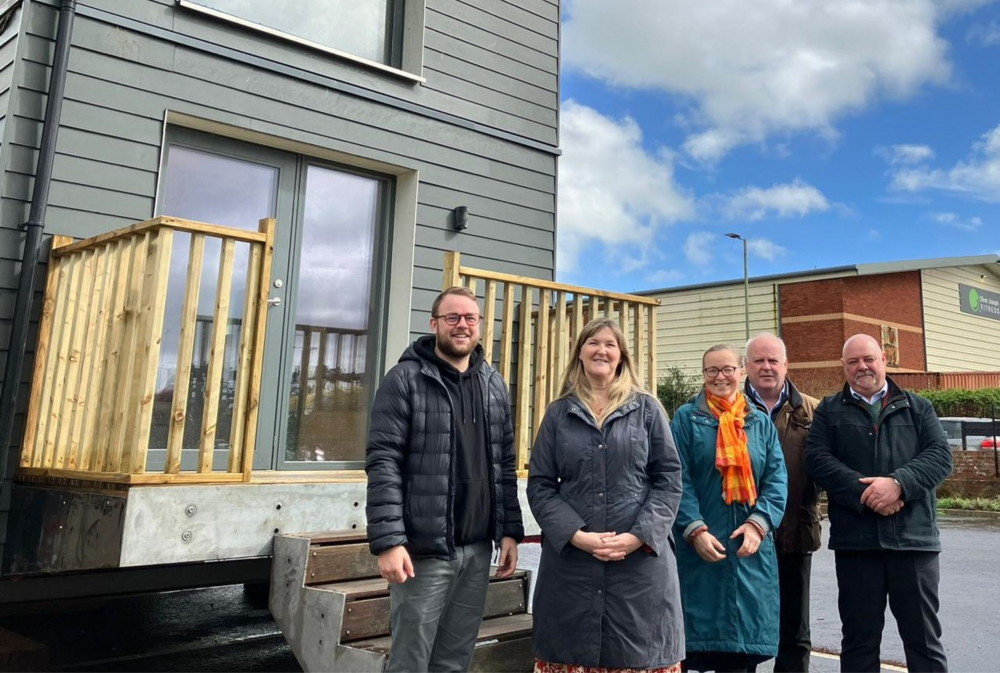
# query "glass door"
(322, 344)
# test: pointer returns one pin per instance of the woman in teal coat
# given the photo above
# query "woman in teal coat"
(735, 488)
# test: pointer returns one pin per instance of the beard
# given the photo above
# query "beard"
(446, 346)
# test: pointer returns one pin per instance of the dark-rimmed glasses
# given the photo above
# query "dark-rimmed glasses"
(452, 319)
(712, 372)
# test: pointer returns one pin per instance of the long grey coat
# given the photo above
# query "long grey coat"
(625, 477)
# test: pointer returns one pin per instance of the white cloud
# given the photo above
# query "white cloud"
(905, 154)
(611, 190)
(978, 176)
(795, 198)
(765, 249)
(953, 220)
(986, 35)
(747, 74)
(698, 247)
(663, 277)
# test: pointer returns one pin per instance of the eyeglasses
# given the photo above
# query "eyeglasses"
(712, 372)
(452, 319)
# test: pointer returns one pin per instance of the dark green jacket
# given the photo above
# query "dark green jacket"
(908, 444)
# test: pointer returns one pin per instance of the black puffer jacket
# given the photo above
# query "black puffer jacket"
(908, 444)
(411, 458)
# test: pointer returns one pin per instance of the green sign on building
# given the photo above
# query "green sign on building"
(979, 302)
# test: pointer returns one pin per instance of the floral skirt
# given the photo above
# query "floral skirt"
(548, 667)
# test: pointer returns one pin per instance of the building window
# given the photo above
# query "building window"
(367, 29)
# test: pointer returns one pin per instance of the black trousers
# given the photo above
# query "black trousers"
(794, 640)
(909, 579)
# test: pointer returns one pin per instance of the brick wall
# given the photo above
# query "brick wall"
(890, 299)
(974, 476)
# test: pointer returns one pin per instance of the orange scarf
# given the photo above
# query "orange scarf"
(732, 457)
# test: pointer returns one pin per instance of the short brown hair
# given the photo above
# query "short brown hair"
(458, 290)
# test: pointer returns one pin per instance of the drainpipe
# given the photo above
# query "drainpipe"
(34, 228)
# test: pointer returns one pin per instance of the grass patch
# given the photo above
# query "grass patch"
(980, 504)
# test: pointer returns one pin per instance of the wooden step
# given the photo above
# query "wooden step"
(497, 629)
(369, 617)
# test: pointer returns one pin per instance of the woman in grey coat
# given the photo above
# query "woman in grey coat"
(604, 485)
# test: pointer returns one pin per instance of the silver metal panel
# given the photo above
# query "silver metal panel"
(176, 524)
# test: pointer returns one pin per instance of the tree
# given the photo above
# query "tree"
(676, 388)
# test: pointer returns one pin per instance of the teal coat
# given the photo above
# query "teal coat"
(731, 605)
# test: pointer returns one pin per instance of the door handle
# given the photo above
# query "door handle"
(274, 301)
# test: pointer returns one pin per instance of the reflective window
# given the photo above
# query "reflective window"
(219, 190)
(331, 374)
(362, 28)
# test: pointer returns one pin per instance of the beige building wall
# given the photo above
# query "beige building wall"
(957, 341)
(689, 321)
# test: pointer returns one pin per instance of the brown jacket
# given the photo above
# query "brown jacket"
(799, 531)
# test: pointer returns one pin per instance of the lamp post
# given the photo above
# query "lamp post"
(746, 284)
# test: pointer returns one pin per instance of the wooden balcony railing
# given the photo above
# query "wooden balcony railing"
(99, 345)
(535, 323)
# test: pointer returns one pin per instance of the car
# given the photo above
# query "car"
(977, 431)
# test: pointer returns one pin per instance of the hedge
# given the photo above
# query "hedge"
(983, 403)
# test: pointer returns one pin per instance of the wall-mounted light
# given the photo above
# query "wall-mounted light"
(460, 218)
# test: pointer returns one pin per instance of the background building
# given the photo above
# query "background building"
(938, 320)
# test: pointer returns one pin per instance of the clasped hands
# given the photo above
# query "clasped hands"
(607, 546)
(883, 495)
(710, 549)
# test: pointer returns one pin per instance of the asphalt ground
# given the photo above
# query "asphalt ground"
(223, 629)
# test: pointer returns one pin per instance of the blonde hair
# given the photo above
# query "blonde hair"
(623, 386)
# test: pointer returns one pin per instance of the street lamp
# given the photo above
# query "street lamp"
(746, 283)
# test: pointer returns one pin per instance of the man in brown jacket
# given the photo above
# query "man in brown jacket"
(798, 536)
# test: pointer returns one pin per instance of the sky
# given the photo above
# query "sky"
(825, 132)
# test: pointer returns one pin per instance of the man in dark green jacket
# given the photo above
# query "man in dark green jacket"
(880, 453)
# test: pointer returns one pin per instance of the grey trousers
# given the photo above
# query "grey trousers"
(437, 613)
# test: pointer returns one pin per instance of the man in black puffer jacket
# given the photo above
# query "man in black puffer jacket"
(442, 487)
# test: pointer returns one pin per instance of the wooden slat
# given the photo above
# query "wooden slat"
(178, 224)
(651, 348)
(640, 344)
(185, 354)
(551, 285)
(53, 455)
(122, 448)
(340, 562)
(562, 345)
(471, 285)
(79, 325)
(216, 357)
(241, 394)
(541, 361)
(150, 336)
(452, 277)
(522, 423)
(34, 433)
(114, 357)
(267, 226)
(89, 456)
(489, 319)
(89, 355)
(577, 320)
(507, 332)
(623, 319)
(498, 628)
(320, 376)
(369, 617)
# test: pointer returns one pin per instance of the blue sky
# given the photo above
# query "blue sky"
(827, 132)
